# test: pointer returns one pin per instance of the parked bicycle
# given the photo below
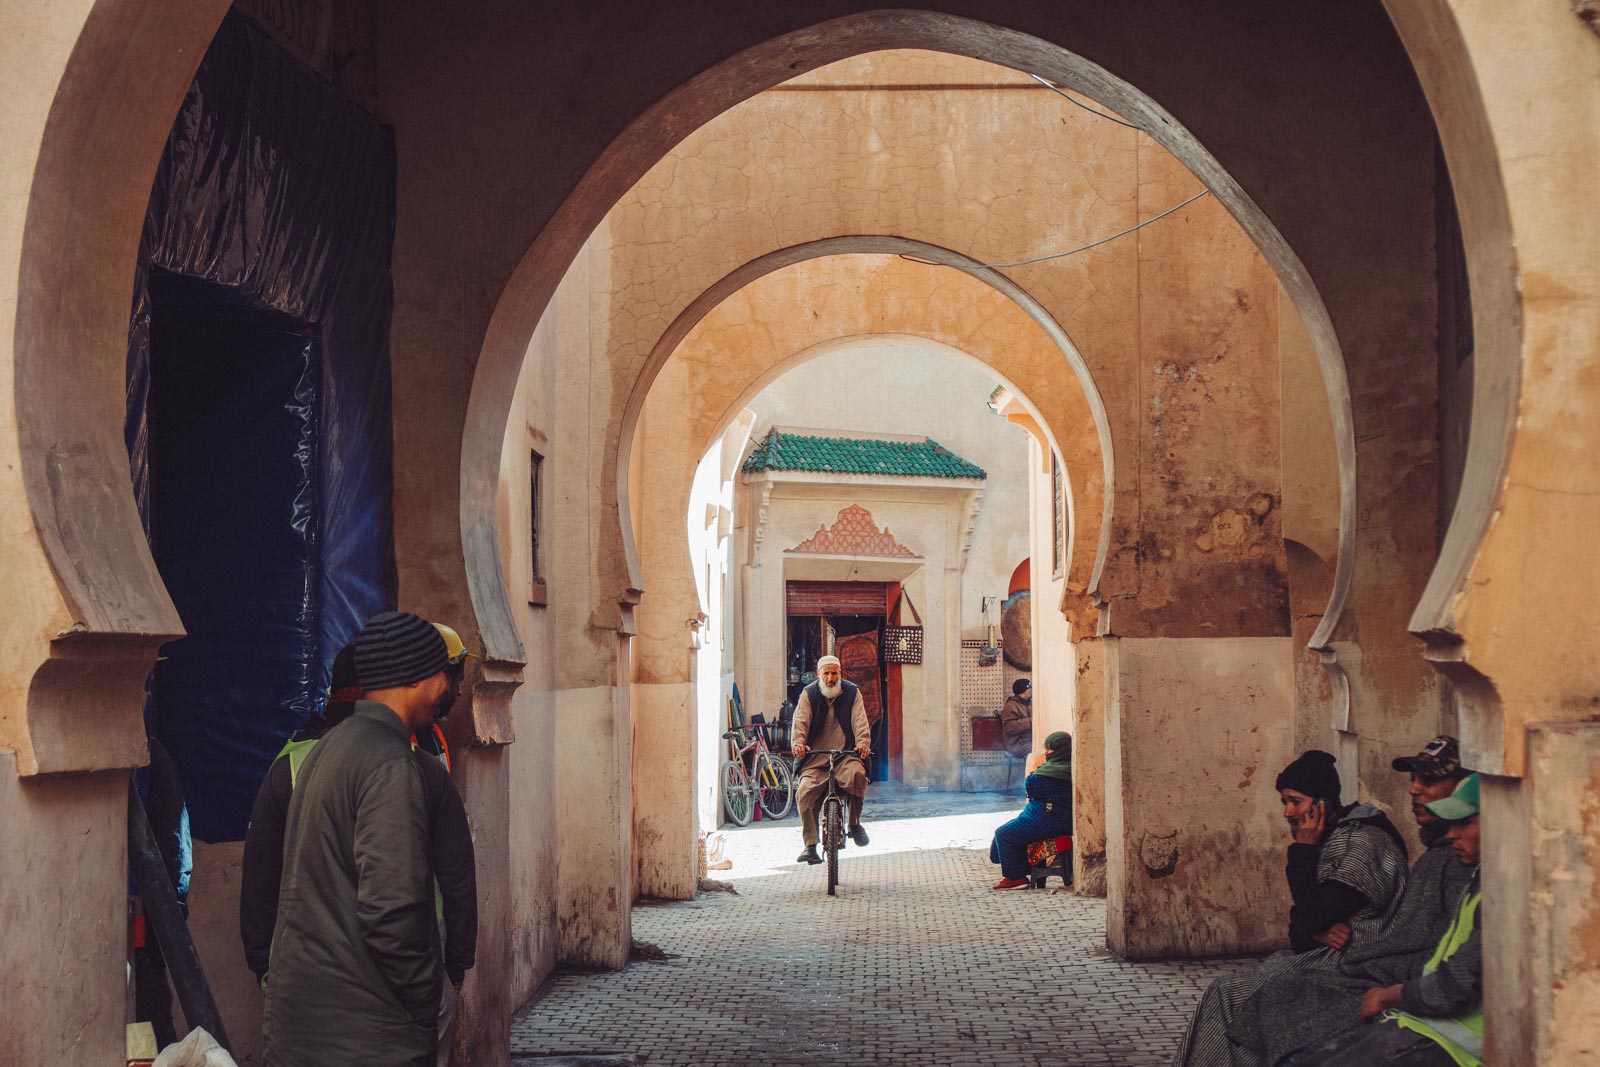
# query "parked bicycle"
(756, 775)
(830, 819)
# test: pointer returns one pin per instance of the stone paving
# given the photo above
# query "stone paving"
(916, 962)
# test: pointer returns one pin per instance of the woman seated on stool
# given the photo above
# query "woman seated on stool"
(1048, 814)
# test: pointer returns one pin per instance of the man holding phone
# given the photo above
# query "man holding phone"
(1346, 869)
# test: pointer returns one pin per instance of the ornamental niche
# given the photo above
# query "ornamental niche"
(854, 533)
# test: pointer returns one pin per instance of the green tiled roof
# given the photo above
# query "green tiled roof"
(926, 458)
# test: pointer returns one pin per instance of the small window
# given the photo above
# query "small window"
(1058, 539)
(535, 515)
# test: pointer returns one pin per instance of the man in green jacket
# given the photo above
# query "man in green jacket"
(356, 974)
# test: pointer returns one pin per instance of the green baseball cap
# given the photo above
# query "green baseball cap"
(1460, 804)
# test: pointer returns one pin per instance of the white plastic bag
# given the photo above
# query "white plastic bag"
(198, 1049)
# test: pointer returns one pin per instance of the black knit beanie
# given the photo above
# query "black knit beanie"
(397, 648)
(1020, 686)
(1312, 774)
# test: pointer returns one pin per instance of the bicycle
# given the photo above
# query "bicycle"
(831, 818)
(768, 781)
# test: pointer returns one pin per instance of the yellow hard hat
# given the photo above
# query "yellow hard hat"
(454, 649)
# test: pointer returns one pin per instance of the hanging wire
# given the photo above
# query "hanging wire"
(1075, 101)
(1057, 255)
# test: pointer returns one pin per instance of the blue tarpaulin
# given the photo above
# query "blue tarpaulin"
(259, 407)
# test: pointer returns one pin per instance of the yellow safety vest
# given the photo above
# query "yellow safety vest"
(1461, 1036)
(297, 751)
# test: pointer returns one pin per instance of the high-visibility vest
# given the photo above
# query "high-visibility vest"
(297, 751)
(1462, 1035)
(443, 756)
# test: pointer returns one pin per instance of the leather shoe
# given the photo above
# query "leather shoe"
(858, 834)
(809, 855)
(1011, 883)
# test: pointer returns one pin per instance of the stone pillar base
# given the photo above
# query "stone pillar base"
(1196, 728)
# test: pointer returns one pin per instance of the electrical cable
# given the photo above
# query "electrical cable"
(1057, 255)
(1074, 100)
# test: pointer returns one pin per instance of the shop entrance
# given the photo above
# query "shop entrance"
(846, 619)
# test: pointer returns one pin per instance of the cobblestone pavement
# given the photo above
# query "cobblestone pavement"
(916, 962)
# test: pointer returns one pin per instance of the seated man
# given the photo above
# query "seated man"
(1048, 813)
(1306, 1008)
(1346, 869)
(830, 714)
(1434, 1018)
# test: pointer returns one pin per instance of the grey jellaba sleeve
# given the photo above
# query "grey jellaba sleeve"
(1455, 988)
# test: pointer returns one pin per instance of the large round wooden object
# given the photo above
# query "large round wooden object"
(1016, 630)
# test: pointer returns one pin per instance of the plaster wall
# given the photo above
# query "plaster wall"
(577, 792)
(665, 822)
(1068, 670)
(665, 668)
(65, 895)
(531, 840)
(1194, 829)
(214, 925)
(533, 843)
(593, 809)
(1089, 778)
(1549, 952)
(1055, 686)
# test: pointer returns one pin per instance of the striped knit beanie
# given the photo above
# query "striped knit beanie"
(397, 648)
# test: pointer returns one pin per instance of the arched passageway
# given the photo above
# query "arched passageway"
(99, 84)
(662, 271)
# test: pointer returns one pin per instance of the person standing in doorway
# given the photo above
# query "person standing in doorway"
(1016, 719)
(356, 975)
(830, 714)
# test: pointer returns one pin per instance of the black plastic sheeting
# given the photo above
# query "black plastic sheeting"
(259, 408)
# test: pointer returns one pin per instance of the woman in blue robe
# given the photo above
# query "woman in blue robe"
(1048, 814)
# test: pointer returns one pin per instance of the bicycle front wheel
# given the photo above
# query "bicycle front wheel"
(736, 793)
(774, 787)
(832, 839)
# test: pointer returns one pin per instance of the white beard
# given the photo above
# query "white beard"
(831, 691)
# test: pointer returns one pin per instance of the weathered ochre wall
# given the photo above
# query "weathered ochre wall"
(591, 731)
(1554, 870)
(530, 928)
(1061, 698)
(1089, 767)
(1196, 729)
(64, 896)
(214, 925)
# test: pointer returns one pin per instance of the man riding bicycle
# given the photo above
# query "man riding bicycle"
(830, 714)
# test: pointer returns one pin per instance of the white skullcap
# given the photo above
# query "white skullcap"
(825, 660)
